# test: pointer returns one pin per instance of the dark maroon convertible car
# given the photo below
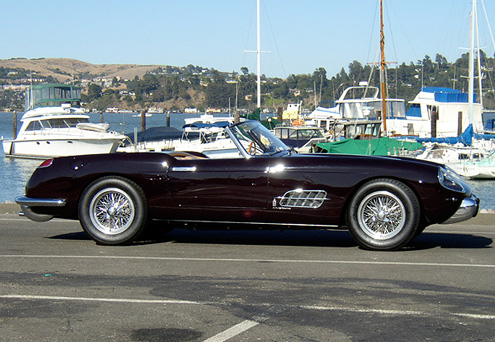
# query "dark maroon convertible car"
(383, 201)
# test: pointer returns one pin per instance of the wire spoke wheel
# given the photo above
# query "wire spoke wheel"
(382, 215)
(112, 211)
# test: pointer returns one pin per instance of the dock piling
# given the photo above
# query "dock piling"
(14, 125)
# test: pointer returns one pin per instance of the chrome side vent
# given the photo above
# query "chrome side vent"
(303, 198)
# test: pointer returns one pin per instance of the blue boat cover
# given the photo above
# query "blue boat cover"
(220, 124)
(465, 138)
(448, 94)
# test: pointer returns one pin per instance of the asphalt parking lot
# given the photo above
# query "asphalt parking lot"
(58, 285)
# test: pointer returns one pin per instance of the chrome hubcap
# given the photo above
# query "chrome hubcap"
(382, 215)
(112, 211)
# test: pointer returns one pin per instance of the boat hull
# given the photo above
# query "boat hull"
(43, 148)
(474, 171)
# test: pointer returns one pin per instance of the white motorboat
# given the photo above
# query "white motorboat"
(483, 168)
(211, 141)
(196, 136)
(361, 102)
(445, 112)
(468, 147)
(453, 154)
(209, 119)
(54, 126)
(301, 138)
(450, 109)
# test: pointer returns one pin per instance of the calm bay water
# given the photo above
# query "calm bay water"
(15, 172)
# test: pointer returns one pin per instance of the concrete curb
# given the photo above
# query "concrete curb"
(9, 208)
(484, 219)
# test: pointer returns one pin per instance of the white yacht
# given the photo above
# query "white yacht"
(300, 138)
(55, 126)
(450, 107)
(209, 119)
(357, 103)
(209, 139)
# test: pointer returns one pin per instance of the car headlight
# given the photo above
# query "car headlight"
(450, 179)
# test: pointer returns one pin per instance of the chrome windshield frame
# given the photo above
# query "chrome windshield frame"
(237, 143)
(257, 134)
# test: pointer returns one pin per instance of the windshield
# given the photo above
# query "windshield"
(252, 138)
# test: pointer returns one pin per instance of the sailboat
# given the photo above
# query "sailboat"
(363, 102)
(473, 158)
(258, 56)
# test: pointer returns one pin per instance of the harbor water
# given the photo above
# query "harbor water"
(15, 171)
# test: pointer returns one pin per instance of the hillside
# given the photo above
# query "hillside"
(62, 68)
(176, 88)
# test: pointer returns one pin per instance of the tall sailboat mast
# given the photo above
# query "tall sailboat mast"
(471, 63)
(258, 53)
(382, 71)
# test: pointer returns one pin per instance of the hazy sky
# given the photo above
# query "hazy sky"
(300, 35)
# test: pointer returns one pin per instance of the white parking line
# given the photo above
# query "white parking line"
(242, 260)
(220, 337)
(233, 331)
(247, 324)
(397, 312)
(105, 300)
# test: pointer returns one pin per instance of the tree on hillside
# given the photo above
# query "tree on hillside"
(218, 94)
(180, 85)
(94, 92)
(355, 71)
(441, 61)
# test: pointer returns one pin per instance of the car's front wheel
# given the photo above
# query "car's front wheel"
(384, 214)
(113, 210)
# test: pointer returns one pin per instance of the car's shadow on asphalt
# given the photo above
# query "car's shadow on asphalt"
(311, 238)
(316, 238)
(449, 240)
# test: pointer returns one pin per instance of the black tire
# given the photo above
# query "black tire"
(384, 214)
(113, 211)
(420, 229)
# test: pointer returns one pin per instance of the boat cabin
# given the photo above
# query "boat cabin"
(52, 95)
(64, 122)
(300, 138)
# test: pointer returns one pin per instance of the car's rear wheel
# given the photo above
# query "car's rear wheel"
(384, 214)
(113, 210)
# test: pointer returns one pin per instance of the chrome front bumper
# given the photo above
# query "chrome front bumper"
(39, 202)
(468, 209)
(27, 202)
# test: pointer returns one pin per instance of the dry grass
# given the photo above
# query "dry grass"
(63, 68)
